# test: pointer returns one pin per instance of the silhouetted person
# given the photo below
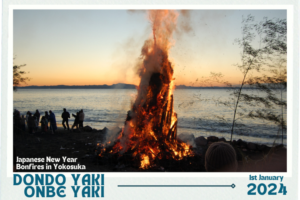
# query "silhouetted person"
(44, 123)
(35, 123)
(81, 118)
(22, 121)
(47, 117)
(17, 121)
(27, 118)
(37, 117)
(76, 121)
(220, 157)
(65, 116)
(52, 121)
(31, 123)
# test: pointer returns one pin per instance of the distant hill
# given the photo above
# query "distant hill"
(191, 87)
(114, 86)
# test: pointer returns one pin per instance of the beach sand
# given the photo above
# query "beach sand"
(81, 147)
(74, 144)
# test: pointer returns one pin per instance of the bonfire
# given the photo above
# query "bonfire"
(150, 131)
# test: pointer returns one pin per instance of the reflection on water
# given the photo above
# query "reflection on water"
(198, 112)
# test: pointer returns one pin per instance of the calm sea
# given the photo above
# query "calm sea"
(199, 112)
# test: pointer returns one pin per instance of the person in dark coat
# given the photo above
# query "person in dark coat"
(44, 123)
(27, 117)
(22, 121)
(17, 121)
(47, 117)
(81, 118)
(65, 116)
(76, 121)
(37, 117)
(52, 121)
(31, 124)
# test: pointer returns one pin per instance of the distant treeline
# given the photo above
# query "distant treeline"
(114, 86)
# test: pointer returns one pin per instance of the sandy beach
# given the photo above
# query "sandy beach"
(80, 148)
(74, 144)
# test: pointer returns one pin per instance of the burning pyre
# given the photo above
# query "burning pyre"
(150, 131)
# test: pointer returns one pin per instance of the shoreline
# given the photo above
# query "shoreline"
(194, 135)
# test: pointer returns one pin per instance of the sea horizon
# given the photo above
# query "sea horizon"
(126, 86)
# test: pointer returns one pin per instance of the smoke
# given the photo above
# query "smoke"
(154, 50)
(184, 22)
(163, 25)
(187, 138)
(111, 135)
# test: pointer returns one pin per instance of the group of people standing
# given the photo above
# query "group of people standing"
(78, 122)
(48, 121)
(33, 120)
(52, 122)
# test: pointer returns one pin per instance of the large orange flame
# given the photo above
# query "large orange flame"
(150, 130)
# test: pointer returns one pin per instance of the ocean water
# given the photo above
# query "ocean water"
(199, 111)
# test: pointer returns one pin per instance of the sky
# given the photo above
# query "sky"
(96, 47)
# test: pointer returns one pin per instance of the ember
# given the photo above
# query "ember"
(150, 131)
